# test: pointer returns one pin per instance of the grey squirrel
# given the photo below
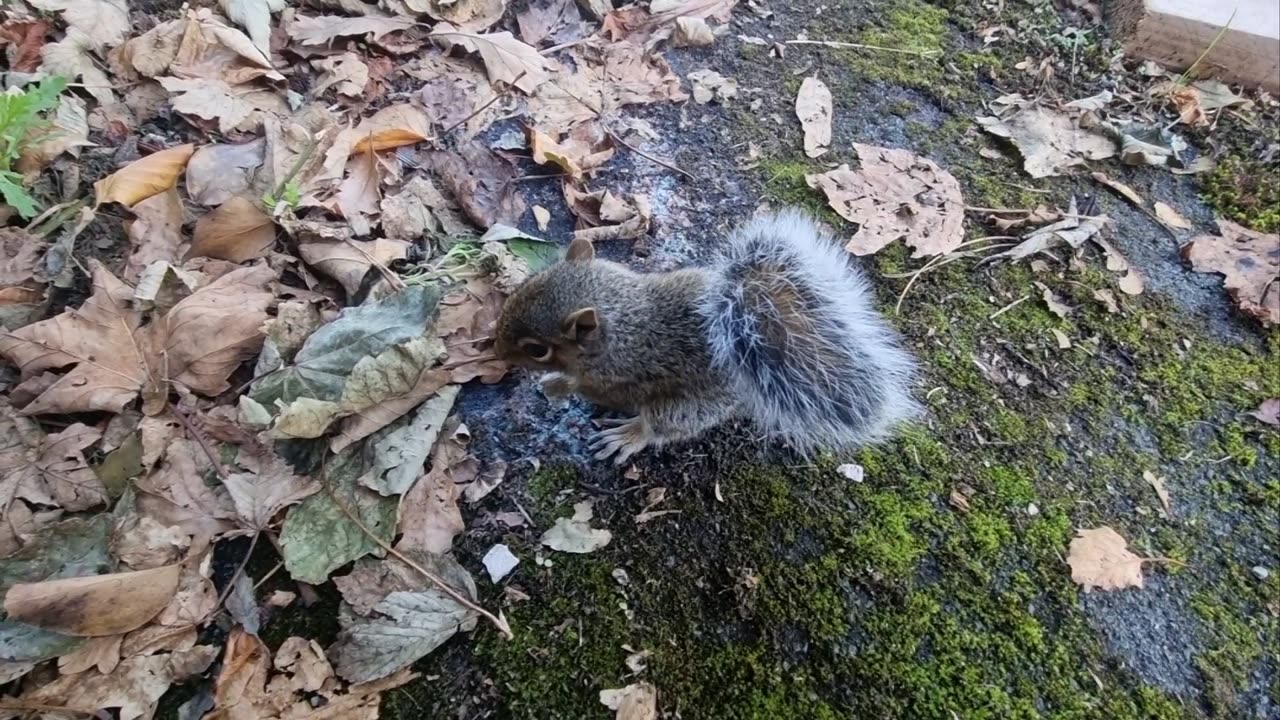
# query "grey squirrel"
(779, 328)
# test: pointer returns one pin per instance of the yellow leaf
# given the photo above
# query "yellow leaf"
(143, 178)
(94, 606)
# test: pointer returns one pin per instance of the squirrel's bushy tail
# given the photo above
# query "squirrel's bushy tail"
(793, 320)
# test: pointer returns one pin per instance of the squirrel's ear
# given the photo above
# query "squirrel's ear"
(580, 250)
(580, 323)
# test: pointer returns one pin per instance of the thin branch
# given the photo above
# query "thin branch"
(448, 589)
(650, 158)
(201, 440)
(860, 46)
(37, 707)
(231, 583)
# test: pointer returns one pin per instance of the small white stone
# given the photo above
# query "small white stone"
(1033, 510)
(499, 561)
(853, 471)
(1260, 572)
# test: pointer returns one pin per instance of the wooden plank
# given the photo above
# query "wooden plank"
(1175, 32)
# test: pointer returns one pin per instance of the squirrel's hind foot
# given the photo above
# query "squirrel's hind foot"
(624, 438)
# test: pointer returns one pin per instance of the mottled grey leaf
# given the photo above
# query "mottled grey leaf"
(71, 548)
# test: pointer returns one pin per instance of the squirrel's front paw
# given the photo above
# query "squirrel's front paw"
(556, 385)
(626, 438)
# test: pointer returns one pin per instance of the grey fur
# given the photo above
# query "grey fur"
(780, 329)
(792, 320)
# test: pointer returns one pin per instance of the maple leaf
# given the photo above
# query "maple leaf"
(1100, 558)
(47, 470)
(197, 344)
(267, 488)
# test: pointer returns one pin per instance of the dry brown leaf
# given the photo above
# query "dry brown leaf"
(467, 317)
(1157, 483)
(1053, 302)
(94, 606)
(155, 233)
(322, 29)
(1131, 283)
(151, 53)
(429, 515)
(100, 653)
(25, 39)
(180, 480)
(347, 262)
(19, 252)
(619, 219)
(236, 231)
(234, 107)
(217, 173)
(360, 192)
(896, 194)
(71, 57)
(541, 20)
(1250, 261)
(134, 687)
(1170, 217)
(70, 132)
(586, 148)
(1268, 412)
(692, 32)
(1108, 298)
(268, 486)
(143, 178)
(638, 701)
(212, 50)
(47, 470)
(198, 343)
(482, 183)
(390, 128)
(607, 77)
(709, 85)
(813, 107)
(1051, 142)
(1100, 558)
(346, 71)
(106, 22)
(1127, 192)
(506, 59)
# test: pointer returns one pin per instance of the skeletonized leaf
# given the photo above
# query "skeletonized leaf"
(145, 177)
(1100, 558)
(813, 107)
(237, 231)
(94, 606)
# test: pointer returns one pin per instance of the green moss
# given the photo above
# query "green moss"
(1233, 441)
(548, 482)
(888, 542)
(1247, 192)
(1007, 425)
(905, 25)
(1009, 486)
(988, 532)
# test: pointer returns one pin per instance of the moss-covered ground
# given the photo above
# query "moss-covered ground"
(780, 589)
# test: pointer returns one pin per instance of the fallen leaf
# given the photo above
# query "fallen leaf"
(318, 537)
(1131, 283)
(133, 688)
(1053, 302)
(389, 128)
(322, 29)
(483, 183)
(348, 262)
(692, 32)
(255, 17)
(1268, 412)
(268, 486)
(638, 701)
(1157, 484)
(211, 50)
(217, 173)
(72, 58)
(896, 194)
(430, 518)
(236, 231)
(25, 40)
(1145, 144)
(346, 73)
(361, 191)
(813, 107)
(574, 534)
(542, 217)
(1170, 217)
(155, 232)
(1100, 558)
(105, 22)
(1094, 102)
(400, 452)
(236, 108)
(383, 387)
(152, 52)
(586, 148)
(499, 562)
(405, 624)
(1064, 342)
(1250, 261)
(506, 59)
(69, 133)
(542, 19)
(619, 219)
(94, 606)
(1127, 192)
(1051, 142)
(710, 85)
(143, 178)
(1108, 298)
(100, 653)
(1072, 230)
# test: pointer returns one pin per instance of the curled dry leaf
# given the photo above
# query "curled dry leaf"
(813, 107)
(482, 183)
(574, 534)
(1250, 261)
(506, 59)
(1157, 483)
(1127, 192)
(586, 148)
(236, 231)
(348, 261)
(710, 85)
(94, 606)
(143, 178)
(692, 32)
(1100, 558)
(896, 194)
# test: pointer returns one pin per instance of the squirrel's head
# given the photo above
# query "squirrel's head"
(551, 319)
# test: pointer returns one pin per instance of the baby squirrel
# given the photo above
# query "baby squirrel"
(779, 328)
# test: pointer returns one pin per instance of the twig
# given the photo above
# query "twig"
(562, 46)
(1008, 307)
(201, 440)
(448, 589)
(270, 573)
(860, 46)
(301, 160)
(502, 92)
(1182, 79)
(231, 583)
(649, 157)
(20, 705)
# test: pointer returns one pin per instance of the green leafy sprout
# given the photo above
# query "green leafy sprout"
(22, 121)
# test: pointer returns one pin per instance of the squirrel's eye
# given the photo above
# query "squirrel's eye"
(538, 352)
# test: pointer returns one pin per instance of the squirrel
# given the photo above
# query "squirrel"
(779, 328)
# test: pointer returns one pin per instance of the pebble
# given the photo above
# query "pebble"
(1261, 572)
